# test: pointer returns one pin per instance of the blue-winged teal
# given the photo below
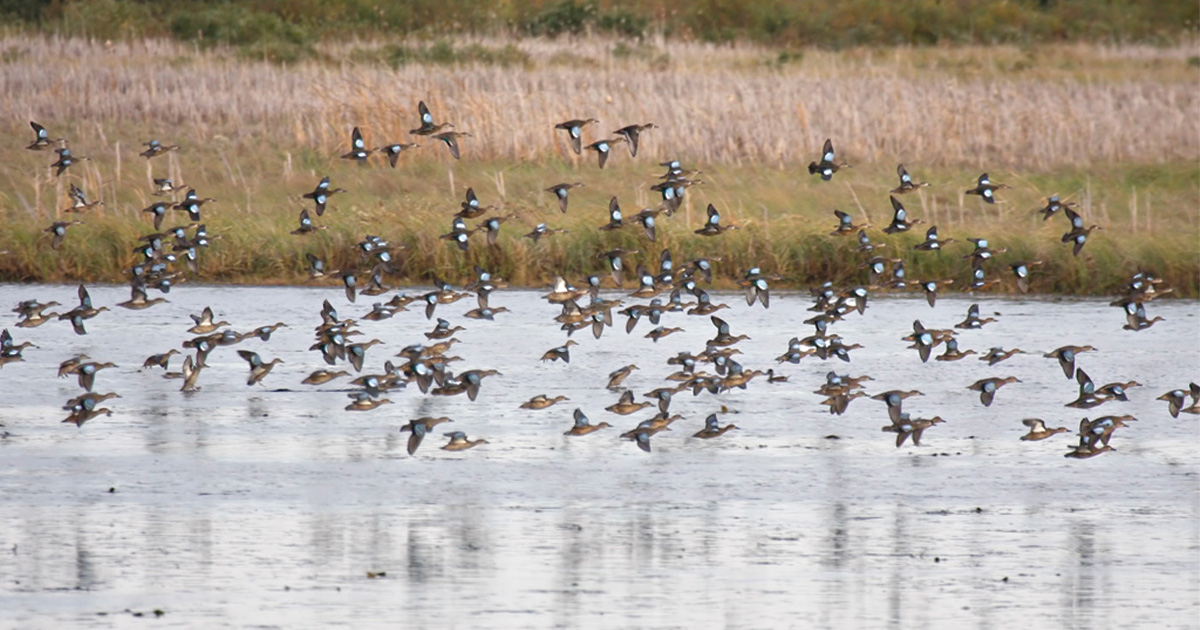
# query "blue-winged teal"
(603, 148)
(471, 208)
(618, 376)
(541, 230)
(358, 148)
(87, 372)
(204, 322)
(320, 377)
(542, 401)
(626, 405)
(894, 399)
(258, 368)
(1053, 205)
(450, 139)
(846, 226)
(443, 330)
(394, 149)
(952, 353)
(306, 224)
(79, 202)
(712, 226)
(1087, 392)
(642, 434)
(321, 194)
(907, 184)
(712, 428)
(560, 192)
(986, 189)
(33, 313)
(41, 138)
(865, 244)
(362, 401)
(419, 428)
(159, 360)
(827, 166)
(616, 220)
(1136, 319)
(138, 299)
(459, 234)
(159, 210)
(582, 425)
(192, 203)
(931, 287)
(1177, 399)
(1117, 391)
(166, 187)
(631, 134)
(904, 426)
(58, 231)
(561, 353)
(459, 442)
(932, 242)
(1038, 430)
(1021, 270)
(191, 374)
(428, 127)
(65, 161)
(491, 228)
(987, 388)
(1078, 234)
(660, 332)
(1066, 357)
(84, 311)
(574, 129)
(900, 222)
(973, 320)
(982, 251)
(154, 148)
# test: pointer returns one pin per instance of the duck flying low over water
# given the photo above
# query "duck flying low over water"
(904, 426)
(258, 368)
(1038, 430)
(1066, 357)
(987, 388)
(419, 428)
(583, 426)
(828, 165)
(459, 442)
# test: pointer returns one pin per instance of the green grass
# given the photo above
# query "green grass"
(785, 217)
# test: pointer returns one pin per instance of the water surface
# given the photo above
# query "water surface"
(268, 506)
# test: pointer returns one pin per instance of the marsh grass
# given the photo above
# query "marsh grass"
(1119, 137)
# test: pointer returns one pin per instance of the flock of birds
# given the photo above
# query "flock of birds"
(161, 257)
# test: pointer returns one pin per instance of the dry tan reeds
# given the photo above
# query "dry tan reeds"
(986, 107)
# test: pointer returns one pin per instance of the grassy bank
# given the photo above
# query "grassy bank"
(291, 28)
(1114, 129)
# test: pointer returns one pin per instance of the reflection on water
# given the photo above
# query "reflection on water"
(269, 506)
